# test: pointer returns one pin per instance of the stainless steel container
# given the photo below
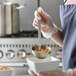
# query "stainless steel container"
(15, 19)
(9, 19)
(2, 21)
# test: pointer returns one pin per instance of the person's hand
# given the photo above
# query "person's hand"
(31, 73)
(47, 25)
(52, 73)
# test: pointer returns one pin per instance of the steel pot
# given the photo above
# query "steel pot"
(2, 25)
(9, 18)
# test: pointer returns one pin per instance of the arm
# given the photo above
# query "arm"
(57, 37)
(48, 28)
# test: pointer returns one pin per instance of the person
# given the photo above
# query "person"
(66, 37)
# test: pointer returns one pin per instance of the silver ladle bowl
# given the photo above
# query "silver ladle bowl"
(41, 55)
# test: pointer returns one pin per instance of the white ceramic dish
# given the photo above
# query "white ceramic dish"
(6, 73)
(39, 65)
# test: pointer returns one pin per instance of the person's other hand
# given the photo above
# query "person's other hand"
(47, 25)
(51, 73)
(31, 73)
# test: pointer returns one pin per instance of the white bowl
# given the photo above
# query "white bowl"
(39, 65)
(6, 73)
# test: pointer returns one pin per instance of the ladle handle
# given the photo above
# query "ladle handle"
(39, 25)
(39, 31)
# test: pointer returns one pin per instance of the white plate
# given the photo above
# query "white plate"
(39, 65)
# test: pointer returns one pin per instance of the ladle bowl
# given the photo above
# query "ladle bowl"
(41, 55)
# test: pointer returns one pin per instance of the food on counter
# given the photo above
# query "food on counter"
(41, 50)
(4, 68)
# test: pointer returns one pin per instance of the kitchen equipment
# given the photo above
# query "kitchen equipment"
(15, 50)
(9, 18)
(39, 65)
(12, 18)
(2, 25)
(41, 55)
(59, 54)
